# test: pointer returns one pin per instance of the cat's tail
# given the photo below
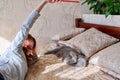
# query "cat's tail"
(55, 50)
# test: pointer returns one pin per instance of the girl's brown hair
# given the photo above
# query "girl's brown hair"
(33, 39)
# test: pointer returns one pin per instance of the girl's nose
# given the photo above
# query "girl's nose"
(30, 53)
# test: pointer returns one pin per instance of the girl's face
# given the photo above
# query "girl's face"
(28, 48)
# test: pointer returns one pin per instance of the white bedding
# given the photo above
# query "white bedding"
(51, 68)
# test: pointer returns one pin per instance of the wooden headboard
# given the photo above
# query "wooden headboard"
(111, 30)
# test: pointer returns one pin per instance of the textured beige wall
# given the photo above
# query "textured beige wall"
(54, 18)
(112, 20)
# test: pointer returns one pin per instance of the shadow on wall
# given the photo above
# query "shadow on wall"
(4, 43)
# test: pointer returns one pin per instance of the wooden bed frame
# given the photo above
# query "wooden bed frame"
(111, 30)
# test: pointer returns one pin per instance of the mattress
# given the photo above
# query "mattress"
(52, 68)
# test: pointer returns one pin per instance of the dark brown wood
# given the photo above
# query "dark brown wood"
(111, 30)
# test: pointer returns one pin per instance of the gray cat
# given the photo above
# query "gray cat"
(69, 56)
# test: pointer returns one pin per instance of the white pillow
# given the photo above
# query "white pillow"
(108, 58)
(65, 35)
(91, 41)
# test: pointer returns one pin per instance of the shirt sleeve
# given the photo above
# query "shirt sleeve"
(26, 26)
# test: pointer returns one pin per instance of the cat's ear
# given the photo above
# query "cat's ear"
(54, 51)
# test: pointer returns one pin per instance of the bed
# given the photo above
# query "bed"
(52, 68)
(110, 52)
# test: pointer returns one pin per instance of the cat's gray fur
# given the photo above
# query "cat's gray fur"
(69, 56)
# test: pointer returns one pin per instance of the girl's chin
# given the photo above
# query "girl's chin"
(31, 61)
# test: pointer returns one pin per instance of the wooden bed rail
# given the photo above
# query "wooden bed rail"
(111, 30)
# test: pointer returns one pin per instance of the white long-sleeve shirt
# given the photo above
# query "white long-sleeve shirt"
(13, 64)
